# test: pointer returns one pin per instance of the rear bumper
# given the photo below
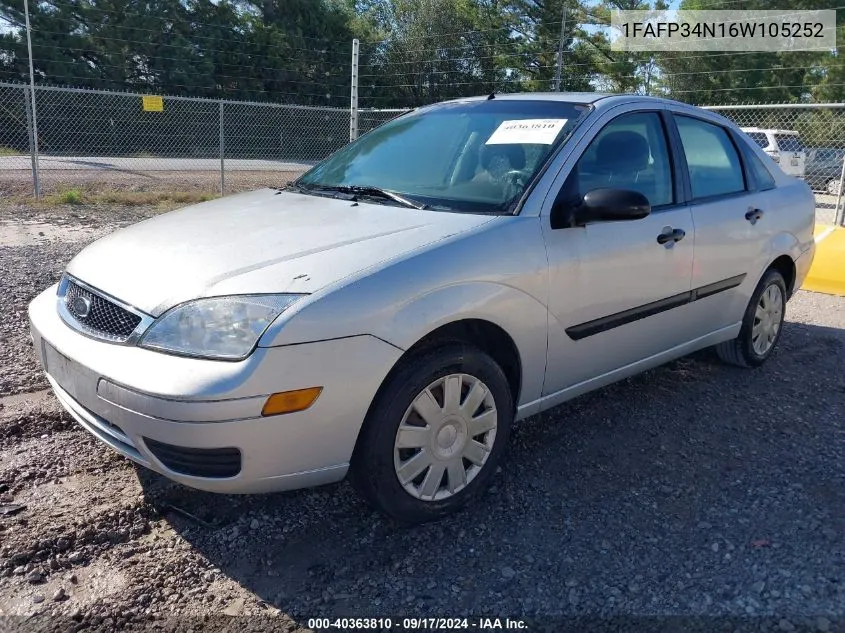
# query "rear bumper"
(205, 416)
(802, 265)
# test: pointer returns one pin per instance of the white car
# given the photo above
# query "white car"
(391, 313)
(785, 147)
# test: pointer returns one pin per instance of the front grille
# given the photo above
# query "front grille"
(197, 462)
(98, 314)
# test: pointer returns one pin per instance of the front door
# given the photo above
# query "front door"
(618, 291)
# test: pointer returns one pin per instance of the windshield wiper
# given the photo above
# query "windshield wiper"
(375, 192)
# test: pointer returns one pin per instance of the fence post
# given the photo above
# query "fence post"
(353, 104)
(32, 133)
(222, 156)
(33, 119)
(840, 211)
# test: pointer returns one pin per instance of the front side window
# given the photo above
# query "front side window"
(713, 162)
(630, 153)
(472, 156)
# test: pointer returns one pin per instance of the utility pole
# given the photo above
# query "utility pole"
(353, 102)
(33, 139)
(559, 65)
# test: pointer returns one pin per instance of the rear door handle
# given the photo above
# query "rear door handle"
(675, 235)
(753, 215)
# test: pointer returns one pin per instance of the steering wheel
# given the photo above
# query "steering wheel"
(514, 182)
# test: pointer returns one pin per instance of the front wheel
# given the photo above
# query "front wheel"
(761, 325)
(435, 434)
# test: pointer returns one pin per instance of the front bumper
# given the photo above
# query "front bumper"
(126, 396)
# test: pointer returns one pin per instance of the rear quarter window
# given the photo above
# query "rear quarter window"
(762, 176)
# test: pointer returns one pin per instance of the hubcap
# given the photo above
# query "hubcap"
(445, 437)
(767, 320)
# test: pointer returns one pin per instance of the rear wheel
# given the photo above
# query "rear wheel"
(761, 325)
(833, 187)
(435, 435)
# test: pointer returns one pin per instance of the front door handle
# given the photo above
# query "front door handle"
(753, 215)
(675, 235)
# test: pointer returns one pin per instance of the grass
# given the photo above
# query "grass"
(152, 198)
(162, 199)
(71, 196)
(8, 151)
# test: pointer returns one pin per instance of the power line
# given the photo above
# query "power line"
(679, 92)
(137, 84)
(95, 37)
(123, 14)
(662, 75)
(98, 64)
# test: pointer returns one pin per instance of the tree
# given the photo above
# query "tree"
(540, 23)
(761, 77)
(629, 72)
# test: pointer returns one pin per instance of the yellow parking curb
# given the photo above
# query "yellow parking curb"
(827, 274)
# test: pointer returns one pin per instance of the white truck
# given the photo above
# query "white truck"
(784, 146)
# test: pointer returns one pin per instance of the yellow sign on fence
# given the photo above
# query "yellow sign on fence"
(152, 104)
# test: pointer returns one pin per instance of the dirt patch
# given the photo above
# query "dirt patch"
(18, 233)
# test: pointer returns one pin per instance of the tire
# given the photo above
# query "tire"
(832, 187)
(746, 349)
(379, 457)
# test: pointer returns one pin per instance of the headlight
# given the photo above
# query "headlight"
(220, 327)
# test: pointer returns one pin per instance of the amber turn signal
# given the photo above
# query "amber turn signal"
(290, 401)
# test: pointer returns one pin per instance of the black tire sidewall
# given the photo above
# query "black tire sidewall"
(373, 467)
(746, 345)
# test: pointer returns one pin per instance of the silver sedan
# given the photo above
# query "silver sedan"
(391, 313)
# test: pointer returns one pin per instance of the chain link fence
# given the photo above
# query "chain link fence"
(806, 140)
(14, 131)
(102, 141)
(94, 140)
(371, 119)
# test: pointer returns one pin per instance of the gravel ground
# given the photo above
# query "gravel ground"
(695, 490)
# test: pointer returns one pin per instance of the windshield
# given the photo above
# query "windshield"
(476, 156)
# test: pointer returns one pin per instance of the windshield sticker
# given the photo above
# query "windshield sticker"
(543, 131)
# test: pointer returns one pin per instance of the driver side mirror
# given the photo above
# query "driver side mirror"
(600, 205)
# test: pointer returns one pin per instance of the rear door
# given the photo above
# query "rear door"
(729, 213)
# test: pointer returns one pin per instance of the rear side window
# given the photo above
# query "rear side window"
(713, 161)
(789, 143)
(760, 138)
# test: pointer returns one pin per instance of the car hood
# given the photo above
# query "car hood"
(258, 242)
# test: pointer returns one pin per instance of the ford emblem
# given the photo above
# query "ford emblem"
(81, 306)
